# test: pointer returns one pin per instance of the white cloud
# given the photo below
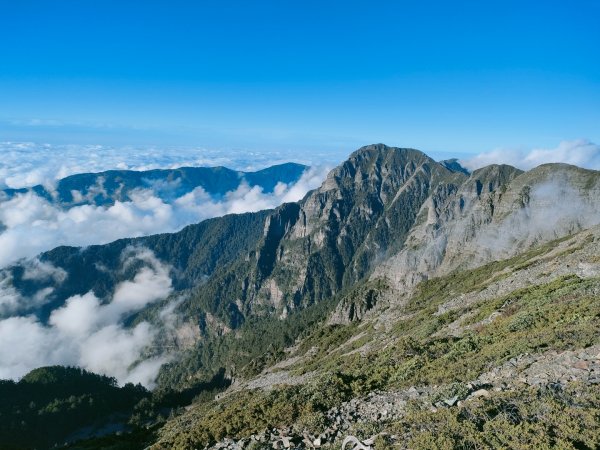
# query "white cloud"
(582, 153)
(24, 164)
(11, 301)
(34, 225)
(558, 208)
(42, 271)
(88, 333)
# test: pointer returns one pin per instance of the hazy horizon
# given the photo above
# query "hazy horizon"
(312, 78)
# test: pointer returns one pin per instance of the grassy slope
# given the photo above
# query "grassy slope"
(560, 314)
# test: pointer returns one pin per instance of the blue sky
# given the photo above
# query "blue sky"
(457, 77)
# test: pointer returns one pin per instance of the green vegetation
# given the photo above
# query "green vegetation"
(562, 314)
(50, 403)
(257, 343)
(247, 412)
(524, 418)
(559, 315)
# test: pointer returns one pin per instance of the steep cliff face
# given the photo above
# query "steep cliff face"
(497, 213)
(336, 235)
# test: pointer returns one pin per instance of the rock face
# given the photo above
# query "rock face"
(557, 368)
(332, 238)
(338, 233)
(496, 213)
(362, 211)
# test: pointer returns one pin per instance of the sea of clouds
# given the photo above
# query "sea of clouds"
(86, 331)
(24, 164)
(31, 224)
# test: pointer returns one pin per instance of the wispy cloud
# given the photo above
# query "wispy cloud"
(582, 153)
(11, 301)
(90, 333)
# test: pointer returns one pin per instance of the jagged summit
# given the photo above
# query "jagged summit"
(377, 161)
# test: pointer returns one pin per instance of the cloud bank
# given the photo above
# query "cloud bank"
(582, 153)
(88, 333)
(25, 164)
(33, 224)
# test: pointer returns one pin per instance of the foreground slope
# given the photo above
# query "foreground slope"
(506, 355)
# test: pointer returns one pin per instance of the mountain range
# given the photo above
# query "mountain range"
(105, 188)
(388, 307)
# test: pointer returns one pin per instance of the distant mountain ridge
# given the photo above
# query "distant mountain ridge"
(105, 188)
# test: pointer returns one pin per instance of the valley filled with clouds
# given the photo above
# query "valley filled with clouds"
(30, 223)
(25, 164)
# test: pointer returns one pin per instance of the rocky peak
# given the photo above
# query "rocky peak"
(378, 164)
(364, 209)
(454, 165)
(487, 179)
(377, 172)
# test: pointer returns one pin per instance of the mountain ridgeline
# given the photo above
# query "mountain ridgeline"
(106, 188)
(393, 244)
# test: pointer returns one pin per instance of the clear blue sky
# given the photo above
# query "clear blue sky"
(307, 75)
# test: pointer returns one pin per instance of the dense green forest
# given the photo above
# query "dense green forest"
(49, 404)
